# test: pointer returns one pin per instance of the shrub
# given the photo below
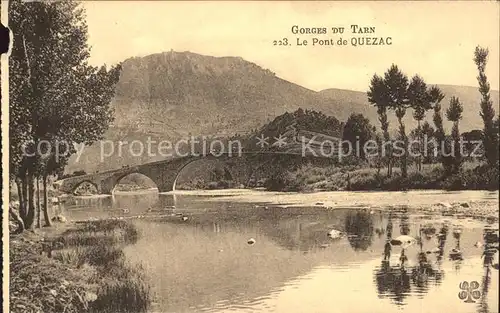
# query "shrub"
(283, 181)
(482, 177)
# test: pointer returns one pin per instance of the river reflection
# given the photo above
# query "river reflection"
(204, 262)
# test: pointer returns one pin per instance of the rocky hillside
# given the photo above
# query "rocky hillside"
(180, 93)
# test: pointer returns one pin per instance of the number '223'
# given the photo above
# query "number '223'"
(282, 42)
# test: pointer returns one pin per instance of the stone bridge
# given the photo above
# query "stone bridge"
(241, 167)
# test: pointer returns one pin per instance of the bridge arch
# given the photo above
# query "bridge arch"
(140, 179)
(228, 172)
(86, 181)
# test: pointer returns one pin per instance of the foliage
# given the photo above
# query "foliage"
(472, 139)
(482, 177)
(418, 97)
(397, 85)
(377, 95)
(307, 120)
(455, 110)
(454, 114)
(282, 181)
(56, 97)
(420, 101)
(395, 92)
(490, 135)
(437, 118)
(357, 131)
(471, 175)
(426, 135)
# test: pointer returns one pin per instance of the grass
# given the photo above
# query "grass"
(125, 290)
(41, 284)
(122, 286)
(89, 274)
(100, 232)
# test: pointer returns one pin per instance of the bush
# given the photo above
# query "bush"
(283, 181)
(482, 177)
(432, 176)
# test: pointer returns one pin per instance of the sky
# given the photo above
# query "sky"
(433, 39)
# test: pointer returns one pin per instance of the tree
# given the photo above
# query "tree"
(471, 138)
(454, 114)
(357, 131)
(437, 96)
(379, 156)
(396, 83)
(378, 96)
(420, 101)
(487, 113)
(426, 137)
(427, 131)
(56, 97)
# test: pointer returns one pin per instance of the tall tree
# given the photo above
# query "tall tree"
(378, 96)
(437, 96)
(427, 132)
(490, 137)
(420, 102)
(496, 127)
(357, 131)
(56, 97)
(454, 114)
(396, 83)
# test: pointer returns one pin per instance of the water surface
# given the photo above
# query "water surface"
(198, 259)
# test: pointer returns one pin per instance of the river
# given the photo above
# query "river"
(256, 251)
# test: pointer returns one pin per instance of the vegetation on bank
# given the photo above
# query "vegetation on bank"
(360, 178)
(83, 269)
(442, 161)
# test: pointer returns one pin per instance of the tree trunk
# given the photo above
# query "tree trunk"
(389, 167)
(384, 125)
(404, 158)
(23, 199)
(45, 203)
(389, 160)
(13, 214)
(30, 217)
(420, 139)
(19, 193)
(38, 206)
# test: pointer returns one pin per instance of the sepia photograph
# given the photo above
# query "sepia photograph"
(250, 156)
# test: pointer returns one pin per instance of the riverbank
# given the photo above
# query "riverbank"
(76, 268)
(311, 178)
